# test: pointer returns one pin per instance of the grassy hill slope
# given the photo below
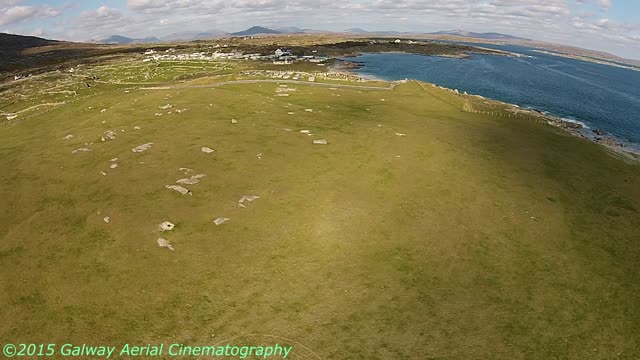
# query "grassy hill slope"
(472, 237)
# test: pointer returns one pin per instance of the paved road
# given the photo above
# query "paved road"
(234, 82)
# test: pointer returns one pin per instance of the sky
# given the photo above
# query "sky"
(607, 25)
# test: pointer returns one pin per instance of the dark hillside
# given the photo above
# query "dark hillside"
(12, 45)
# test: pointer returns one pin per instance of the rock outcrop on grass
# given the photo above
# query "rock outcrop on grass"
(166, 226)
(192, 180)
(141, 148)
(162, 242)
(220, 220)
(180, 189)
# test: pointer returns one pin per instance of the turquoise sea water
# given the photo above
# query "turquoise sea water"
(599, 96)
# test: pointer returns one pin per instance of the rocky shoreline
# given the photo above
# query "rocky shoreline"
(350, 68)
(574, 128)
(348, 65)
(577, 129)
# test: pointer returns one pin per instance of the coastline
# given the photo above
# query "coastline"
(348, 67)
(569, 126)
(581, 130)
(587, 59)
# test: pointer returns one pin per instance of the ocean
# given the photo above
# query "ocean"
(596, 95)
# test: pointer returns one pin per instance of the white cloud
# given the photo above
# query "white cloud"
(10, 13)
(7, 3)
(604, 4)
(146, 4)
(17, 13)
(103, 12)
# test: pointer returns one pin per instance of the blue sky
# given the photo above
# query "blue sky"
(608, 25)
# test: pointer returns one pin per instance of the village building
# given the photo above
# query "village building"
(283, 52)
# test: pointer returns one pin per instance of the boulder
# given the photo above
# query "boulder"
(142, 148)
(162, 242)
(166, 226)
(248, 198)
(220, 220)
(609, 142)
(192, 180)
(180, 189)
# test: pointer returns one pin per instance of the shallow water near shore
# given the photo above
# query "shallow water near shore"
(599, 96)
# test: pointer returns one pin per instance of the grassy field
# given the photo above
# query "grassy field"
(471, 237)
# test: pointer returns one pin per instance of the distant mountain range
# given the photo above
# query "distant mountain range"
(462, 33)
(255, 30)
(363, 31)
(486, 36)
(194, 35)
(179, 36)
(200, 35)
(356, 31)
(118, 39)
(290, 30)
(262, 30)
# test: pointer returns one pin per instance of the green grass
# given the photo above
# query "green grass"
(473, 237)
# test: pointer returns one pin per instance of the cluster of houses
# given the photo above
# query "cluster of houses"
(281, 56)
(284, 56)
(341, 76)
(396, 41)
(285, 75)
(299, 75)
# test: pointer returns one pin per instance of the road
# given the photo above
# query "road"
(257, 81)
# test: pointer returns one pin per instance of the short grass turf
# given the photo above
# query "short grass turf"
(472, 237)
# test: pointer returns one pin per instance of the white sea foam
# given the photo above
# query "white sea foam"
(573, 121)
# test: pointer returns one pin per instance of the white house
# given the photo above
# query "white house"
(282, 52)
